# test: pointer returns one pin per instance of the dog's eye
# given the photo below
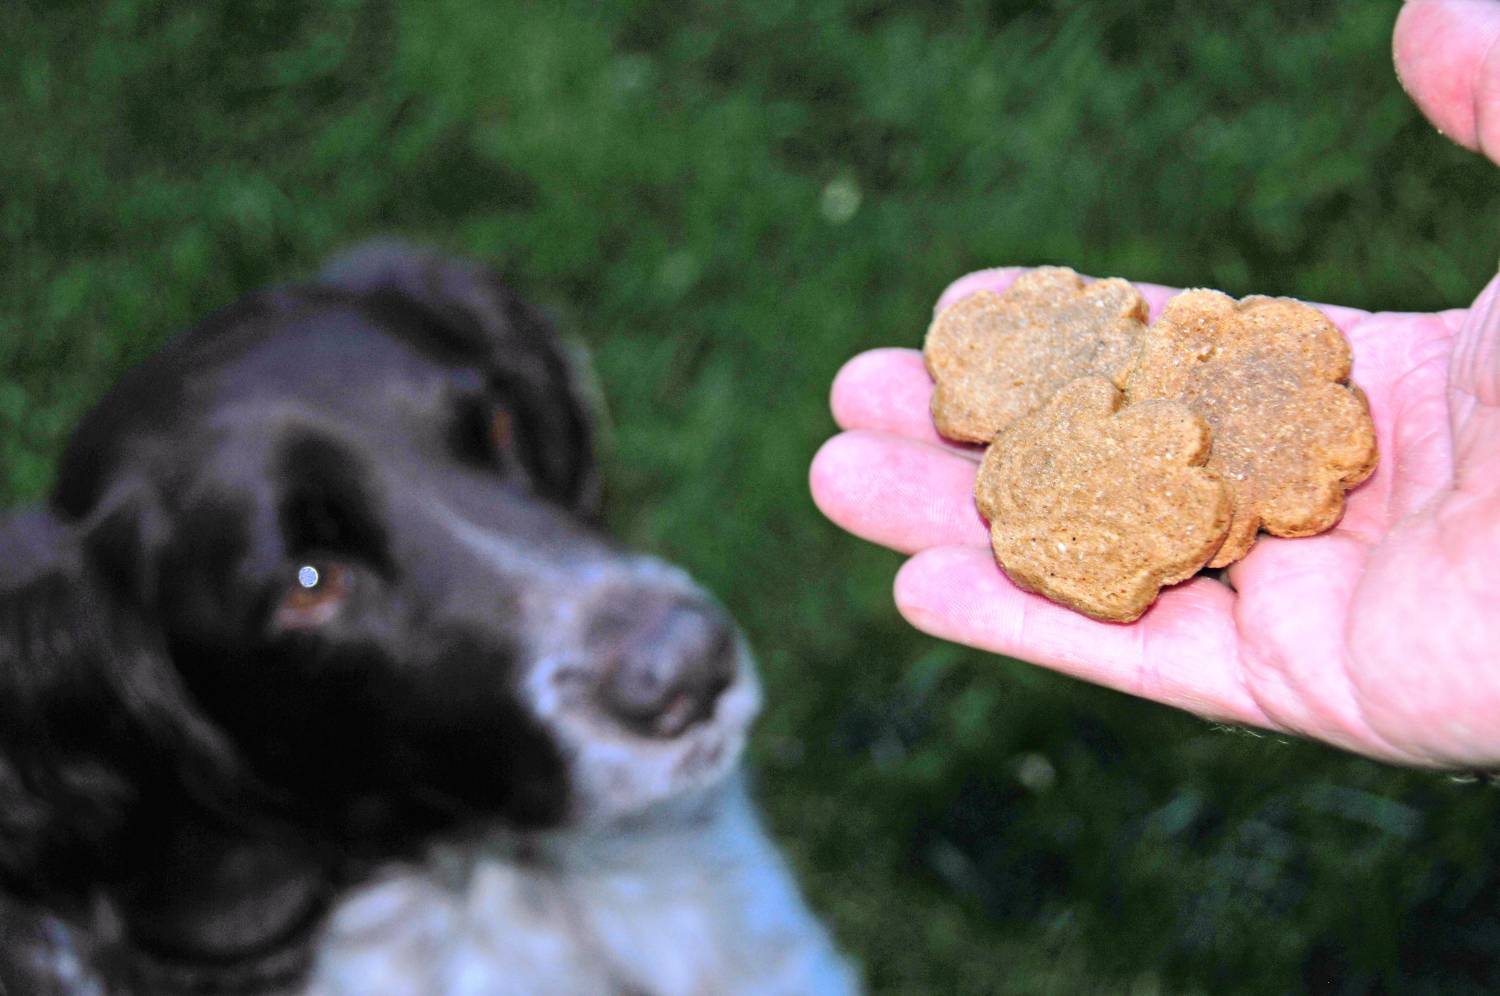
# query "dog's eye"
(502, 431)
(483, 434)
(314, 596)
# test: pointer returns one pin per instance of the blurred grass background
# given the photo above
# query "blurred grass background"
(727, 199)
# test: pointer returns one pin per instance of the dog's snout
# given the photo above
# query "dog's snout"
(669, 661)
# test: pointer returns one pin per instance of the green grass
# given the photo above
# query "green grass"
(725, 200)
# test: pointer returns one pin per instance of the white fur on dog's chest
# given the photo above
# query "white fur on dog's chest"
(700, 904)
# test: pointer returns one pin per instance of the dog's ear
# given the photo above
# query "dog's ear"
(478, 314)
(93, 720)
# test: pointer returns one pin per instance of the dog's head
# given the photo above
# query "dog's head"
(335, 552)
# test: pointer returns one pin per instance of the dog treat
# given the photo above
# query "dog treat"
(996, 357)
(1271, 378)
(1099, 506)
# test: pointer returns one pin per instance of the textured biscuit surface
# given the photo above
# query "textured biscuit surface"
(1270, 376)
(1097, 506)
(995, 357)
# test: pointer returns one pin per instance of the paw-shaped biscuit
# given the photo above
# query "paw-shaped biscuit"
(996, 357)
(1271, 377)
(1097, 506)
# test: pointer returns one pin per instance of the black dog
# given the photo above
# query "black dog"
(321, 584)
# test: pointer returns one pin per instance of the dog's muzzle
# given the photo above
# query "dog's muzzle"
(667, 659)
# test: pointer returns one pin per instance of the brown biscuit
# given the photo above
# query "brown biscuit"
(995, 357)
(1096, 506)
(1271, 377)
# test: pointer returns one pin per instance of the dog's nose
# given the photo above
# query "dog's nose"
(668, 665)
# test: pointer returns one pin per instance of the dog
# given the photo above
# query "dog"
(319, 675)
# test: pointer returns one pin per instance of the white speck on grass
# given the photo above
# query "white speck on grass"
(841, 199)
(1036, 772)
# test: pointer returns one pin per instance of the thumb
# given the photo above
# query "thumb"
(1474, 402)
(1447, 56)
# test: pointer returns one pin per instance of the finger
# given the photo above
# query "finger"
(1183, 652)
(1156, 295)
(899, 493)
(994, 279)
(1476, 398)
(1476, 360)
(888, 390)
(999, 278)
(1447, 55)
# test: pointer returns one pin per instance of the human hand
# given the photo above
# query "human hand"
(1447, 55)
(1379, 636)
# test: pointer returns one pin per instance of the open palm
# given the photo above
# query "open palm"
(1382, 635)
